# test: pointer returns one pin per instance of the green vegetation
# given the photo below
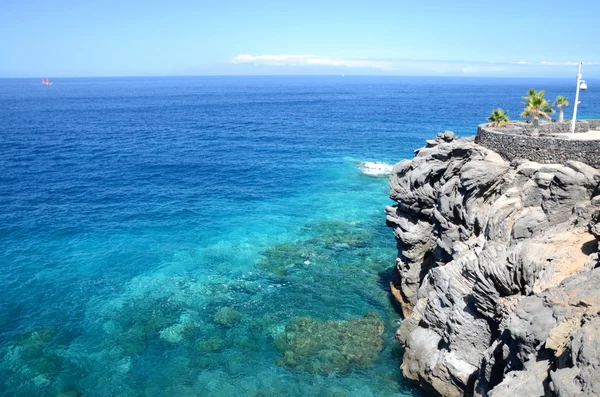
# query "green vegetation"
(498, 118)
(561, 102)
(536, 106)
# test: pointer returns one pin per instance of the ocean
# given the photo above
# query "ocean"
(214, 236)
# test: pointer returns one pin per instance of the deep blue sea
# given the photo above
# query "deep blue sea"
(158, 236)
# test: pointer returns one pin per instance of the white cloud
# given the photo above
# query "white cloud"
(554, 63)
(309, 63)
(557, 63)
(312, 60)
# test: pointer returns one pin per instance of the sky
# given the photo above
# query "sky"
(512, 38)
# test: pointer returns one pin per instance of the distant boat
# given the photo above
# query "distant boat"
(46, 82)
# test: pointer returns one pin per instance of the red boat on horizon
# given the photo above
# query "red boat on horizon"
(46, 82)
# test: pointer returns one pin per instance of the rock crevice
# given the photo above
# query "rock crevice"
(497, 272)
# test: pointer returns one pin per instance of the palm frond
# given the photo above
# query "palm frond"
(536, 105)
(561, 101)
(498, 118)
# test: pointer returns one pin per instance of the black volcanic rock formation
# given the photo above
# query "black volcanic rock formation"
(497, 272)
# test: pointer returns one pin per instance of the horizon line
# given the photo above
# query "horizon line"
(288, 75)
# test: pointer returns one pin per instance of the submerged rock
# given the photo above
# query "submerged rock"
(496, 272)
(211, 345)
(227, 316)
(329, 347)
(33, 361)
(175, 333)
(70, 393)
(284, 258)
(328, 244)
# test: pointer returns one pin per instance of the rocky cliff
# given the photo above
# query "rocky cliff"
(497, 272)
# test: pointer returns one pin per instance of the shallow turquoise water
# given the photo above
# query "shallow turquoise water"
(159, 234)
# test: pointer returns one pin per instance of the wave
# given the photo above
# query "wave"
(373, 168)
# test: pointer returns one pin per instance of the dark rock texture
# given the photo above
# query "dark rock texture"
(497, 272)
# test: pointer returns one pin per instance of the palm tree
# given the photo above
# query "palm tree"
(561, 102)
(498, 118)
(536, 106)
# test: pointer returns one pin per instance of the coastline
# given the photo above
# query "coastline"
(497, 271)
(146, 228)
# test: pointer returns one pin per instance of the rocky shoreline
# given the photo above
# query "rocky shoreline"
(497, 272)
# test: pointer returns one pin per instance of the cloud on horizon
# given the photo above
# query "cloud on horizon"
(312, 60)
(552, 63)
(411, 66)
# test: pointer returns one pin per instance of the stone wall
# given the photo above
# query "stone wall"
(512, 143)
(552, 127)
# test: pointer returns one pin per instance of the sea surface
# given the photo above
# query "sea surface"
(213, 236)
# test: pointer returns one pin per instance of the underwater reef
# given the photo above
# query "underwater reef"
(497, 272)
(332, 346)
(311, 315)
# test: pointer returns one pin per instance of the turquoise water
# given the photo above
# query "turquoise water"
(194, 236)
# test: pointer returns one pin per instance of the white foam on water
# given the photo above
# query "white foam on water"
(373, 168)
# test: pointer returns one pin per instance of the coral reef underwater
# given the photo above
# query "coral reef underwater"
(314, 309)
